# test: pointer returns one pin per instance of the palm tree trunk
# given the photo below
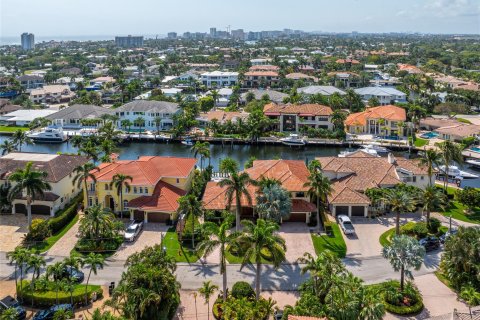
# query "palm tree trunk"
(318, 214)
(428, 216)
(121, 202)
(239, 211)
(86, 287)
(16, 281)
(224, 284)
(257, 280)
(208, 310)
(445, 182)
(86, 193)
(402, 278)
(193, 230)
(29, 211)
(397, 224)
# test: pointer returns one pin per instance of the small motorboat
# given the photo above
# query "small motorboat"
(377, 148)
(293, 140)
(187, 142)
(453, 171)
(473, 162)
(370, 151)
(48, 135)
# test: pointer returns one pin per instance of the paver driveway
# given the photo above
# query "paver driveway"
(298, 240)
(150, 235)
(12, 229)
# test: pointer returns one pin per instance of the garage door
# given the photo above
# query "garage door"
(358, 211)
(20, 208)
(40, 209)
(138, 215)
(297, 217)
(341, 210)
(158, 217)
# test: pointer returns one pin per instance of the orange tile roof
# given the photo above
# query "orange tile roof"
(261, 74)
(264, 68)
(314, 109)
(147, 170)
(390, 112)
(163, 199)
(292, 175)
(300, 205)
(343, 61)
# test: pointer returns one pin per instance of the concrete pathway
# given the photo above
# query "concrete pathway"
(455, 223)
(65, 245)
(13, 228)
(149, 236)
(298, 240)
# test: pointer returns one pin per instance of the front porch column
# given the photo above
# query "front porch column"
(350, 211)
(52, 212)
(145, 216)
(334, 211)
(13, 208)
(365, 211)
(131, 215)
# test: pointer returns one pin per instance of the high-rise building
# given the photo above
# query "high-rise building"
(213, 32)
(129, 41)
(28, 41)
(238, 34)
(172, 35)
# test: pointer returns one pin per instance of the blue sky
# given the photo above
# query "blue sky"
(110, 17)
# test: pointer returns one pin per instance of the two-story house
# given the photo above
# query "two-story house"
(148, 111)
(71, 117)
(384, 95)
(52, 94)
(352, 175)
(255, 79)
(381, 120)
(59, 169)
(219, 79)
(157, 183)
(292, 174)
(292, 117)
(29, 82)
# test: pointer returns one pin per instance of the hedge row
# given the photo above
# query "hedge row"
(48, 298)
(404, 310)
(64, 216)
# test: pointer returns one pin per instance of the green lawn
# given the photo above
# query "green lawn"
(456, 210)
(333, 242)
(176, 250)
(419, 142)
(11, 129)
(50, 241)
(385, 238)
(235, 259)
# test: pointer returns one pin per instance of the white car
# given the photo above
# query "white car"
(346, 224)
(133, 230)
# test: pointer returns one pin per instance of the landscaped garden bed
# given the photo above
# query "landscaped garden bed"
(332, 241)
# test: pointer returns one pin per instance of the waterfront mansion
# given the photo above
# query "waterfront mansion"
(381, 120)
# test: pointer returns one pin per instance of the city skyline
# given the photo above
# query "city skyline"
(108, 18)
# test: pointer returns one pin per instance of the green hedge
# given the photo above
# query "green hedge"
(64, 216)
(413, 309)
(48, 298)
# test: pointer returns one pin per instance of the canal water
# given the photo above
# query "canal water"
(241, 153)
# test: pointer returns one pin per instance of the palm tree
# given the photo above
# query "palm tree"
(139, 122)
(274, 203)
(431, 159)
(20, 138)
(470, 295)
(218, 236)
(7, 147)
(94, 261)
(96, 222)
(9, 314)
(120, 181)
(19, 257)
(82, 174)
(319, 188)
(191, 207)
(56, 271)
(126, 124)
(202, 149)
(206, 291)
(399, 201)
(237, 186)
(404, 253)
(30, 183)
(228, 165)
(215, 95)
(432, 198)
(259, 241)
(450, 152)
(158, 122)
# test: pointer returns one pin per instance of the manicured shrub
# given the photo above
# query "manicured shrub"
(420, 230)
(433, 225)
(63, 217)
(242, 289)
(406, 302)
(408, 228)
(39, 231)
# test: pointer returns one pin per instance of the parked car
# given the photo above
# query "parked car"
(48, 314)
(447, 235)
(430, 243)
(346, 224)
(9, 302)
(278, 315)
(133, 230)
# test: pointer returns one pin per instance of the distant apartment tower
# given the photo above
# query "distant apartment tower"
(172, 35)
(213, 32)
(28, 41)
(238, 34)
(129, 41)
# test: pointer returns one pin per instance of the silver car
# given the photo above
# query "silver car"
(133, 230)
(346, 224)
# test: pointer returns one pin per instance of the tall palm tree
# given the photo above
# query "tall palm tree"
(450, 152)
(432, 198)
(120, 181)
(94, 261)
(206, 291)
(82, 174)
(30, 183)
(218, 236)
(7, 147)
(237, 186)
(56, 271)
(399, 201)
(431, 159)
(228, 165)
(202, 149)
(191, 207)
(259, 241)
(158, 122)
(139, 122)
(19, 258)
(20, 138)
(35, 263)
(96, 222)
(319, 188)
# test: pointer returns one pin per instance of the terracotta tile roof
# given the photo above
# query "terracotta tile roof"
(261, 73)
(342, 194)
(223, 116)
(264, 68)
(291, 173)
(313, 109)
(409, 68)
(413, 166)
(389, 112)
(163, 199)
(147, 170)
(343, 61)
(300, 205)
(438, 123)
(461, 130)
(299, 75)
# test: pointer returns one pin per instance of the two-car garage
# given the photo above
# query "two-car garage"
(349, 210)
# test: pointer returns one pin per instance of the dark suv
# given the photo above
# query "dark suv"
(9, 302)
(430, 243)
(49, 313)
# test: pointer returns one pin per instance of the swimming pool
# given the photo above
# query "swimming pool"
(429, 135)
(476, 149)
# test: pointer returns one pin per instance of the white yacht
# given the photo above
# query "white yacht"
(473, 162)
(370, 151)
(48, 135)
(377, 148)
(453, 171)
(293, 140)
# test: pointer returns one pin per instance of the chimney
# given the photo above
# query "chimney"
(391, 158)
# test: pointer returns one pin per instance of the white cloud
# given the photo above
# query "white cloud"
(452, 8)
